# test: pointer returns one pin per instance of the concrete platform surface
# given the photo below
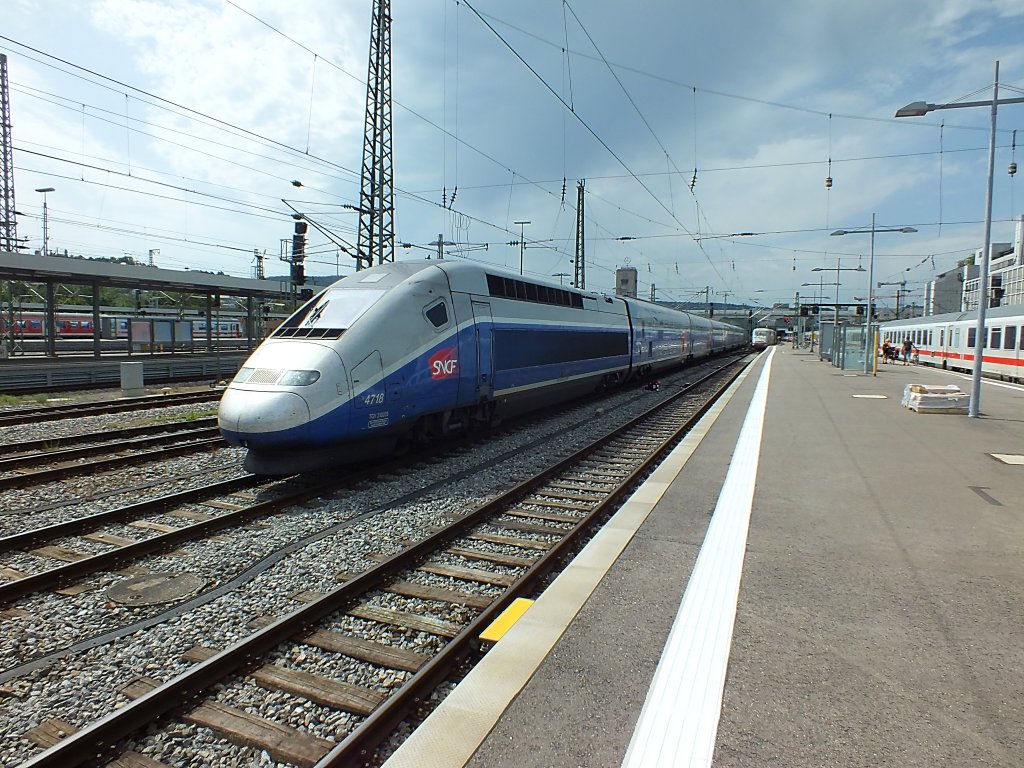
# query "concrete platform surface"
(879, 616)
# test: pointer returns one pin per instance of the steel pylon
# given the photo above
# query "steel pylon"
(376, 243)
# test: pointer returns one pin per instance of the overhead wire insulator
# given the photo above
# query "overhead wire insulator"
(828, 182)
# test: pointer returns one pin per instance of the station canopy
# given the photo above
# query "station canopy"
(57, 269)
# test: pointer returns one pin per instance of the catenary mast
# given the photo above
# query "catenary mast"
(376, 242)
(8, 224)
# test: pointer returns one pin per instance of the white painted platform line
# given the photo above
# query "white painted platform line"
(679, 721)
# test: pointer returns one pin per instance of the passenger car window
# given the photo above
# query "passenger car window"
(437, 314)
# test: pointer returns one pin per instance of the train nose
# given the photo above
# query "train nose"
(263, 419)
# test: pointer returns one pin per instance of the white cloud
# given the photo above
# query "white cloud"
(863, 59)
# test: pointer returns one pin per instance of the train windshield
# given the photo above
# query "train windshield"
(330, 313)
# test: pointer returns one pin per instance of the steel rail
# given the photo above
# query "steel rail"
(98, 741)
(53, 412)
(66, 470)
(82, 525)
(55, 443)
(127, 443)
(122, 556)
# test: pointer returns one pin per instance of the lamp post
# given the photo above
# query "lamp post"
(868, 345)
(835, 316)
(522, 242)
(46, 237)
(917, 109)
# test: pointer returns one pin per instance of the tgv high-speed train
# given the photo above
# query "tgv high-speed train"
(762, 338)
(948, 340)
(427, 348)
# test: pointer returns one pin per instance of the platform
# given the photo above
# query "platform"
(852, 594)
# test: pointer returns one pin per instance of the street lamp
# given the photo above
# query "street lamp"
(917, 109)
(522, 242)
(869, 353)
(46, 238)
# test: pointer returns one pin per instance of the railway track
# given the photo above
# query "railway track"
(441, 591)
(92, 459)
(52, 445)
(227, 503)
(76, 410)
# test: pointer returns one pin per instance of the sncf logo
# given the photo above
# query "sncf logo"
(444, 364)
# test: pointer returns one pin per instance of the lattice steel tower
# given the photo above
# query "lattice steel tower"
(376, 242)
(579, 279)
(8, 225)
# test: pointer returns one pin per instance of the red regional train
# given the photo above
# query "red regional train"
(30, 325)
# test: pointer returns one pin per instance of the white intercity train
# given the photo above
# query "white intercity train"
(948, 341)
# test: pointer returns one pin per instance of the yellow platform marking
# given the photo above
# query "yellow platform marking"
(504, 623)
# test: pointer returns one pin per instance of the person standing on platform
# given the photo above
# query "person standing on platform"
(906, 350)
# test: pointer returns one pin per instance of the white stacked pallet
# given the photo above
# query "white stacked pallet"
(922, 398)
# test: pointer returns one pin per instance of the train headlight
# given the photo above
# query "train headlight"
(298, 378)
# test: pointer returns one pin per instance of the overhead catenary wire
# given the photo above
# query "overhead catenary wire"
(589, 129)
(568, 57)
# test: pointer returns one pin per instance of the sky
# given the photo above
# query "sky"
(704, 132)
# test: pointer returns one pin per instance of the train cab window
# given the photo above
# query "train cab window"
(972, 337)
(437, 314)
(997, 338)
(1010, 337)
(328, 314)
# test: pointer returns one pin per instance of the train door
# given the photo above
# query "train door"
(484, 327)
